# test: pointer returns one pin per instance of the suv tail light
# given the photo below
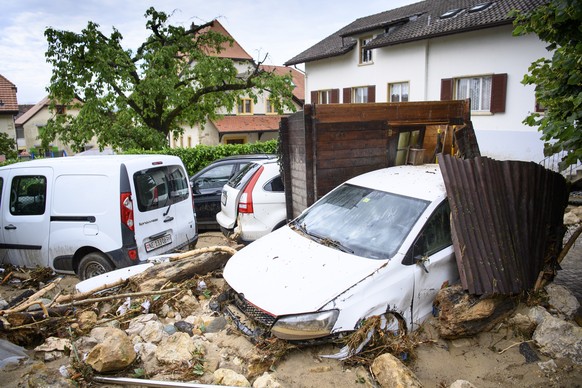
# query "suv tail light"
(245, 203)
(127, 210)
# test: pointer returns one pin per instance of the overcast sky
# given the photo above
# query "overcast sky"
(280, 29)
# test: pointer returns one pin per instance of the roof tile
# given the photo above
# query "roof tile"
(413, 22)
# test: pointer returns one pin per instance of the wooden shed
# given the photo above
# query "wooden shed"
(326, 144)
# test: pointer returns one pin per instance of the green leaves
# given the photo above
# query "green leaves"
(558, 80)
(137, 98)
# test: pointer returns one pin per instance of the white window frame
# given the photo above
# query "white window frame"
(399, 89)
(366, 56)
(478, 88)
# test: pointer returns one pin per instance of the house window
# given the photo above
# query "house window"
(271, 106)
(487, 93)
(478, 89)
(324, 96)
(245, 106)
(235, 140)
(398, 92)
(365, 54)
(360, 95)
(189, 141)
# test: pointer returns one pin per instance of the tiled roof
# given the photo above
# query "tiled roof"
(416, 21)
(8, 96)
(298, 78)
(21, 120)
(233, 52)
(22, 109)
(251, 123)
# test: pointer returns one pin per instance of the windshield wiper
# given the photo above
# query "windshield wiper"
(335, 244)
(320, 239)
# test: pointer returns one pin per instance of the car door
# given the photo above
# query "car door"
(433, 258)
(26, 216)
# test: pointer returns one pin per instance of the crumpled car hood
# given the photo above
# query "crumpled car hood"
(287, 273)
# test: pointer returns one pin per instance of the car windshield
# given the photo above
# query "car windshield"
(362, 221)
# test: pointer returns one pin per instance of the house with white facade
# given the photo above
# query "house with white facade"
(8, 107)
(437, 50)
(250, 121)
(30, 124)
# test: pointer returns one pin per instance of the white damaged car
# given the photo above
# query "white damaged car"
(379, 244)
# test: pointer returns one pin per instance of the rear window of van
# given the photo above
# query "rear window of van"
(159, 187)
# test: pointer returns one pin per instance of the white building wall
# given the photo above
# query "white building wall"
(424, 63)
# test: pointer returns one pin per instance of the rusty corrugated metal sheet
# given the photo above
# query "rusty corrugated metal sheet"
(507, 220)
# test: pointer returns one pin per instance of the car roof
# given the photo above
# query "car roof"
(422, 181)
(246, 157)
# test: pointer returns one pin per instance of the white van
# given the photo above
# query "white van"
(92, 214)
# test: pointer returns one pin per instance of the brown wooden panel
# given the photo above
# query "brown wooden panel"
(498, 93)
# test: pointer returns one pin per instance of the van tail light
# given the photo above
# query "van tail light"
(132, 253)
(127, 210)
(245, 203)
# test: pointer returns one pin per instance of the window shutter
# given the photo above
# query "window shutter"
(498, 93)
(446, 89)
(314, 97)
(372, 93)
(334, 96)
(347, 95)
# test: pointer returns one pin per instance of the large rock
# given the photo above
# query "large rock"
(153, 331)
(230, 378)
(114, 353)
(465, 315)
(391, 373)
(561, 301)
(147, 354)
(266, 381)
(558, 338)
(176, 348)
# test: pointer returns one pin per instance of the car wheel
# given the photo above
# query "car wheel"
(94, 264)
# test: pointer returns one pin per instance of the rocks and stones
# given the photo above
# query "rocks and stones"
(266, 381)
(184, 327)
(464, 315)
(461, 384)
(114, 353)
(558, 338)
(561, 301)
(153, 331)
(176, 348)
(390, 372)
(53, 348)
(86, 320)
(229, 377)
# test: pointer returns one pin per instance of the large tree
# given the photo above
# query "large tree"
(558, 80)
(135, 99)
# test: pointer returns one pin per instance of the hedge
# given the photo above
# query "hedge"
(198, 157)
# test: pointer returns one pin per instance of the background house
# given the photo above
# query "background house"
(250, 121)
(8, 107)
(436, 50)
(30, 124)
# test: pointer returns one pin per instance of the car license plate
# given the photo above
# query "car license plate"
(159, 242)
(224, 198)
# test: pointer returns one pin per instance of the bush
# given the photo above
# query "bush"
(198, 157)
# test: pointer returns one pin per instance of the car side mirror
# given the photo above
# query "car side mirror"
(420, 260)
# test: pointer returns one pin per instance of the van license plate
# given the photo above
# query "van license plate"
(159, 242)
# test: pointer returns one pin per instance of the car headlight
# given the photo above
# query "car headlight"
(305, 326)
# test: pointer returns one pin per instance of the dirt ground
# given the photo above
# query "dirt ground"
(492, 359)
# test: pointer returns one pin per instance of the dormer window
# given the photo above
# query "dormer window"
(480, 7)
(365, 54)
(451, 13)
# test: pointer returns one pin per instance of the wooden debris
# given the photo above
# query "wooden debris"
(182, 267)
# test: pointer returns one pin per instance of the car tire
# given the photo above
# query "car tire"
(93, 264)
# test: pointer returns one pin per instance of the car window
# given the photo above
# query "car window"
(239, 180)
(215, 177)
(275, 185)
(160, 186)
(28, 195)
(367, 222)
(435, 236)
